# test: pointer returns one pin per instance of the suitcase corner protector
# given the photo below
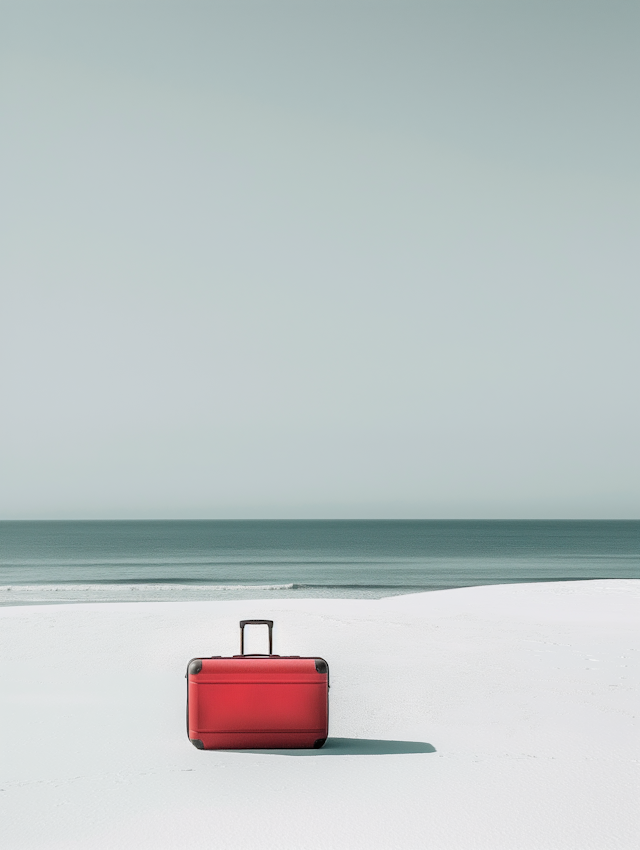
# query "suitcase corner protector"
(195, 666)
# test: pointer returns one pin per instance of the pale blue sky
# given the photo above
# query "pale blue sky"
(317, 259)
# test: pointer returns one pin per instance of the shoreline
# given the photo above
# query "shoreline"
(105, 592)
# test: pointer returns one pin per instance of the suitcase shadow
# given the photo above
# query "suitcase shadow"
(355, 747)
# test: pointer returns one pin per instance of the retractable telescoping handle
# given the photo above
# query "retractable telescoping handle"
(244, 623)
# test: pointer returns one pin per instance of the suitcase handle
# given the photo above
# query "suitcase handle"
(244, 623)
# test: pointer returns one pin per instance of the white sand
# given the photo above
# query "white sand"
(527, 693)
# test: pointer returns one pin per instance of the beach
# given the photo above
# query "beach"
(501, 716)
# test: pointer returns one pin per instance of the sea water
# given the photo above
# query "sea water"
(44, 562)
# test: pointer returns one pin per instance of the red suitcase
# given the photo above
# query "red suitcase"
(257, 701)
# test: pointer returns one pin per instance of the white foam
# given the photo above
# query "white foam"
(32, 594)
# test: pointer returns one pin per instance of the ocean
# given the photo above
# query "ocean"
(45, 562)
